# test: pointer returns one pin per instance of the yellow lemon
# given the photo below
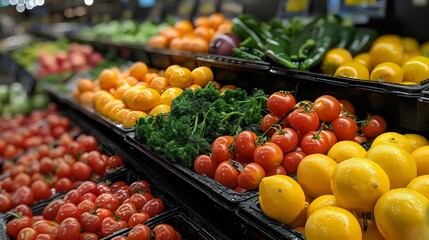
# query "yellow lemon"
(346, 149)
(416, 69)
(395, 138)
(416, 140)
(314, 174)
(334, 58)
(332, 223)
(421, 156)
(281, 198)
(400, 214)
(386, 52)
(387, 72)
(320, 202)
(369, 230)
(420, 184)
(357, 184)
(398, 164)
(363, 58)
(352, 69)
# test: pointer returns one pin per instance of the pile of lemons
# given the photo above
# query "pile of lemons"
(354, 193)
(391, 58)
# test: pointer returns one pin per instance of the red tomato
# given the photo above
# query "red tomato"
(75, 148)
(73, 196)
(87, 187)
(373, 126)
(327, 108)
(280, 103)
(314, 142)
(41, 190)
(140, 199)
(97, 164)
(103, 213)
(81, 171)
(5, 203)
(103, 188)
(268, 122)
(164, 231)
(69, 229)
(125, 211)
(23, 195)
(27, 233)
(244, 146)
(345, 128)
(153, 207)
(45, 236)
(116, 185)
(123, 193)
(89, 196)
(86, 205)
(279, 170)
(46, 165)
(22, 179)
(268, 155)
(304, 120)
(140, 187)
(115, 161)
(58, 151)
(88, 142)
(286, 139)
(251, 175)
(360, 139)
(63, 170)
(136, 218)
(108, 201)
(120, 238)
(226, 174)
(204, 164)
(47, 227)
(140, 232)
(332, 139)
(68, 210)
(23, 210)
(14, 226)
(347, 106)
(221, 149)
(109, 225)
(88, 236)
(51, 210)
(291, 161)
(90, 222)
(10, 151)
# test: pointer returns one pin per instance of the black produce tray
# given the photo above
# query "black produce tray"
(250, 212)
(190, 226)
(226, 198)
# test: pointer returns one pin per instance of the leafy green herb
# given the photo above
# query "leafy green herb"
(197, 118)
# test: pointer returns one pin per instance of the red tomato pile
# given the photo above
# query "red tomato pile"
(291, 131)
(143, 232)
(39, 174)
(24, 133)
(90, 211)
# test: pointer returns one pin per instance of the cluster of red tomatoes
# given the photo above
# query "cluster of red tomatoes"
(16, 141)
(90, 211)
(291, 131)
(161, 231)
(47, 170)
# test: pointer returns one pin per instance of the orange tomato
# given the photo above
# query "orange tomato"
(194, 87)
(170, 33)
(146, 99)
(202, 75)
(86, 98)
(215, 20)
(204, 32)
(138, 70)
(169, 70)
(119, 115)
(389, 38)
(202, 21)
(120, 91)
(363, 58)
(131, 118)
(85, 84)
(334, 58)
(387, 72)
(183, 26)
(158, 109)
(107, 79)
(199, 45)
(109, 106)
(159, 84)
(169, 95)
(159, 41)
(181, 77)
(227, 87)
(352, 70)
(100, 99)
(128, 95)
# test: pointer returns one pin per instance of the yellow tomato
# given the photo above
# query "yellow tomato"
(416, 69)
(334, 58)
(386, 52)
(352, 70)
(169, 94)
(387, 72)
(146, 99)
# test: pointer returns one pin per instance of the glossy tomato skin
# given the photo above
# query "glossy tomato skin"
(81, 171)
(123, 193)
(244, 146)
(374, 126)
(332, 139)
(279, 170)
(360, 139)
(153, 207)
(140, 186)
(304, 120)
(140, 199)
(280, 103)
(268, 122)
(87, 187)
(137, 218)
(251, 175)
(115, 161)
(347, 107)
(268, 155)
(51, 210)
(47, 227)
(204, 164)
(164, 231)
(90, 222)
(125, 211)
(314, 142)
(73, 196)
(108, 201)
(23, 195)
(140, 232)
(45, 236)
(327, 108)
(286, 139)
(68, 210)
(88, 236)
(220, 150)
(27, 233)
(291, 161)
(109, 225)
(15, 225)
(69, 229)
(41, 190)
(226, 175)
(23, 209)
(345, 128)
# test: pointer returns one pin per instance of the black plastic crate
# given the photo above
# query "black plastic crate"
(255, 223)
(190, 226)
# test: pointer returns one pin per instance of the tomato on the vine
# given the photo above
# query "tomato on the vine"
(314, 142)
(327, 108)
(268, 155)
(220, 150)
(345, 128)
(373, 126)
(250, 176)
(304, 119)
(280, 103)
(347, 107)
(291, 161)
(286, 139)
(226, 174)
(332, 139)
(204, 164)
(244, 146)
(279, 170)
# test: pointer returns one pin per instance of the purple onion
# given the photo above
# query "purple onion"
(222, 44)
